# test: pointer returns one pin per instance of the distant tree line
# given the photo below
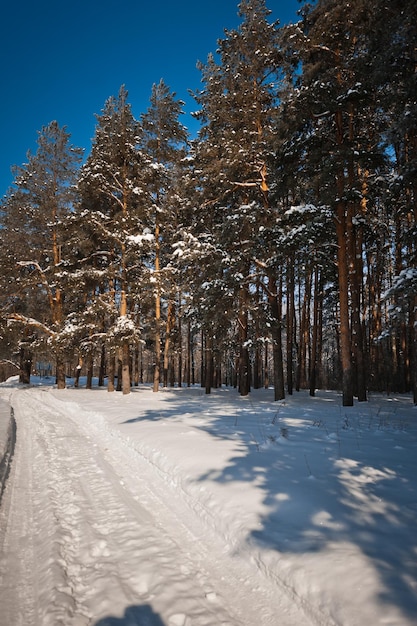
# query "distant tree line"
(278, 247)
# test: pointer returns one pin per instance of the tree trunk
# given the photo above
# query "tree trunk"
(123, 377)
(257, 382)
(314, 364)
(276, 314)
(60, 371)
(125, 359)
(136, 366)
(414, 351)
(357, 335)
(209, 363)
(290, 323)
(89, 383)
(243, 321)
(25, 365)
(102, 369)
(354, 251)
(119, 362)
(192, 365)
(343, 237)
(304, 333)
(266, 373)
(169, 327)
(345, 346)
(189, 357)
(110, 370)
(78, 373)
(180, 373)
(156, 375)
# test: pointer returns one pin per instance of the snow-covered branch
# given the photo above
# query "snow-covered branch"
(30, 321)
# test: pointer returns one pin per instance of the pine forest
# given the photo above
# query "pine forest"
(276, 248)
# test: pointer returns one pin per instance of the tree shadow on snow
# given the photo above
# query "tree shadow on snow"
(334, 488)
(323, 484)
(133, 616)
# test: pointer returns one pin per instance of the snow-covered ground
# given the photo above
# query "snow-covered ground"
(181, 509)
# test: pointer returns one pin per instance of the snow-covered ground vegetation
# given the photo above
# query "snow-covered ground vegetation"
(181, 509)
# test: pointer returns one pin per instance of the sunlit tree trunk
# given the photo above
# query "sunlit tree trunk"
(157, 365)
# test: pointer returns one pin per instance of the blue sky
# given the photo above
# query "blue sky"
(62, 60)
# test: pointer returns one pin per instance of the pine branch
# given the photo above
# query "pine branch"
(30, 321)
(8, 362)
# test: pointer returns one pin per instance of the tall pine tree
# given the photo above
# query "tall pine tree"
(36, 209)
(114, 206)
(233, 155)
(164, 141)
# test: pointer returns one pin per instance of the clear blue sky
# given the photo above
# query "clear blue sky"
(62, 60)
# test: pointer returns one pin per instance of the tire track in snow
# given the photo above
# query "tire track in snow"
(18, 590)
(97, 549)
(107, 536)
(259, 601)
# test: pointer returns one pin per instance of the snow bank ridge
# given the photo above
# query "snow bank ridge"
(7, 441)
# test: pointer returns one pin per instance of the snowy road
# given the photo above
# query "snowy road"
(89, 530)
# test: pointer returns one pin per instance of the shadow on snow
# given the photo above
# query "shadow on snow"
(321, 473)
(133, 616)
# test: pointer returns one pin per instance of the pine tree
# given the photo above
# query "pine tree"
(34, 215)
(164, 141)
(233, 156)
(114, 213)
(393, 64)
(337, 133)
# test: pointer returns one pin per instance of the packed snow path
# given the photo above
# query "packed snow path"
(181, 509)
(90, 531)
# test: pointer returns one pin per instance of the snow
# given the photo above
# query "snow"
(181, 509)
(139, 239)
